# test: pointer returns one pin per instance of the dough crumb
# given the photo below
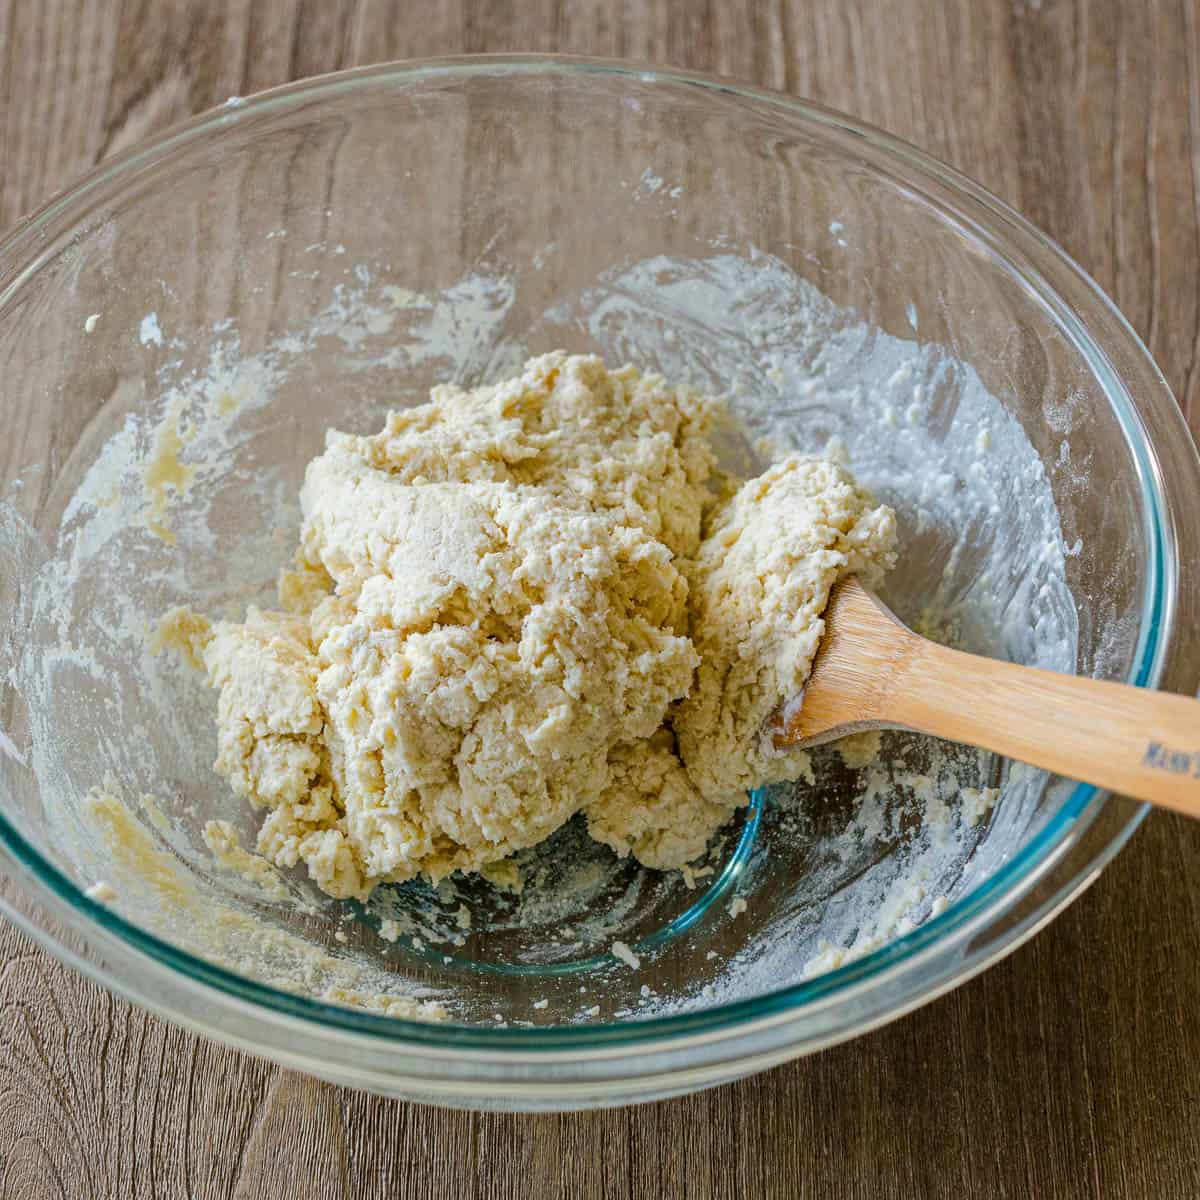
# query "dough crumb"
(737, 907)
(184, 631)
(105, 893)
(859, 750)
(626, 955)
(977, 803)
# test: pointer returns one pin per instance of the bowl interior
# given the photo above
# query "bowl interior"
(173, 360)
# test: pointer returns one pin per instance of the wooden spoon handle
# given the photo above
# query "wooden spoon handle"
(1129, 740)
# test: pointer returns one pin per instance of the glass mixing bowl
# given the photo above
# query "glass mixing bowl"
(179, 330)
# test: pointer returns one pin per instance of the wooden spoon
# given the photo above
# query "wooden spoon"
(871, 673)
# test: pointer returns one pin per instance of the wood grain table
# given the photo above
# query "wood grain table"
(1072, 1069)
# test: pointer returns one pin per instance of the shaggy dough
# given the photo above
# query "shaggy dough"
(760, 583)
(520, 602)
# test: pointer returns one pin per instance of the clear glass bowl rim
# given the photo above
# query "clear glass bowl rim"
(39, 238)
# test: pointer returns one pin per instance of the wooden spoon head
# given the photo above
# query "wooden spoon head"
(871, 672)
(862, 648)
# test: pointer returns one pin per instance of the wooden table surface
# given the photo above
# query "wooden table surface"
(1073, 1068)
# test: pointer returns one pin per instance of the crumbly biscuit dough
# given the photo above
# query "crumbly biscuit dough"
(519, 602)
